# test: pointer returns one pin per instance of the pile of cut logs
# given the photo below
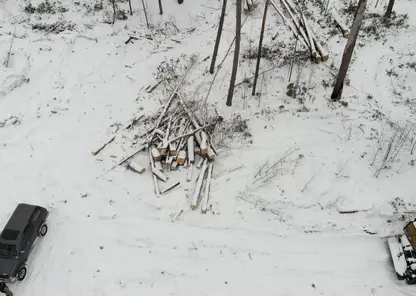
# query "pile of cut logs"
(173, 142)
(302, 30)
(177, 140)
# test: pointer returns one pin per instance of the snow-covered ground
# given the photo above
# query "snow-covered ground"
(110, 234)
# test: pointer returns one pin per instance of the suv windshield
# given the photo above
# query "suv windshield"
(8, 250)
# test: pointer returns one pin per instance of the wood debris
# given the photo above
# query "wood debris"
(176, 140)
(300, 28)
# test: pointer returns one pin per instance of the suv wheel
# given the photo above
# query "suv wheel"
(21, 273)
(43, 230)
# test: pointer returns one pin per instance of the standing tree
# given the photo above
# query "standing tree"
(160, 7)
(131, 10)
(145, 14)
(114, 10)
(263, 25)
(236, 53)
(348, 51)
(389, 9)
(217, 41)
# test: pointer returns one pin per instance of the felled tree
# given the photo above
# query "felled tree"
(348, 51)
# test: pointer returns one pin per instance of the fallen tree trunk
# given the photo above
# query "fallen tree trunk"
(207, 189)
(198, 187)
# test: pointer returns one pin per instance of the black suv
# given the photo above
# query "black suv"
(18, 238)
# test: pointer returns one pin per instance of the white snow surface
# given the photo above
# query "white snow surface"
(109, 234)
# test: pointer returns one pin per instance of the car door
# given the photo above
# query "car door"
(33, 228)
(24, 246)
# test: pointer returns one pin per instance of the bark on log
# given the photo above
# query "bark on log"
(204, 144)
(207, 189)
(349, 49)
(286, 21)
(389, 9)
(158, 173)
(324, 54)
(131, 11)
(191, 150)
(102, 146)
(156, 185)
(337, 19)
(200, 162)
(136, 167)
(263, 25)
(170, 186)
(218, 39)
(198, 187)
(194, 121)
(156, 154)
(315, 55)
(181, 157)
(297, 25)
(145, 14)
(230, 95)
(189, 172)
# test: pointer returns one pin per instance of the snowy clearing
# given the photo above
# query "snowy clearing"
(280, 180)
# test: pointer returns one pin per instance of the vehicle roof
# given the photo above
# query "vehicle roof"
(20, 217)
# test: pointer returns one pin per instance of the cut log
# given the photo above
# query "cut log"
(169, 102)
(156, 185)
(204, 144)
(159, 174)
(170, 186)
(181, 157)
(123, 160)
(191, 151)
(315, 55)
(174, 166)
(158, 165)
(156, 154)
(136, 167)
(190, 134)
(198, 187)
(207, 189)
(189, 172)
(337, 19)
(169, 161)
(200, 162)
(297, 25)
(324, 54)
(173, 149)
(291, 5)
(210, 154)
(174, 218)
(102, 146)
(192, 118)
(294, 31)
(197, 151)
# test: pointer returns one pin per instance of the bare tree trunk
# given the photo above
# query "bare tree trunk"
(131, 11)
(160, 7)
(348, 51)
(260, 47)
(389, 9)
(217, 41)
(145, 14)
(236, 53)
(114, 11)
